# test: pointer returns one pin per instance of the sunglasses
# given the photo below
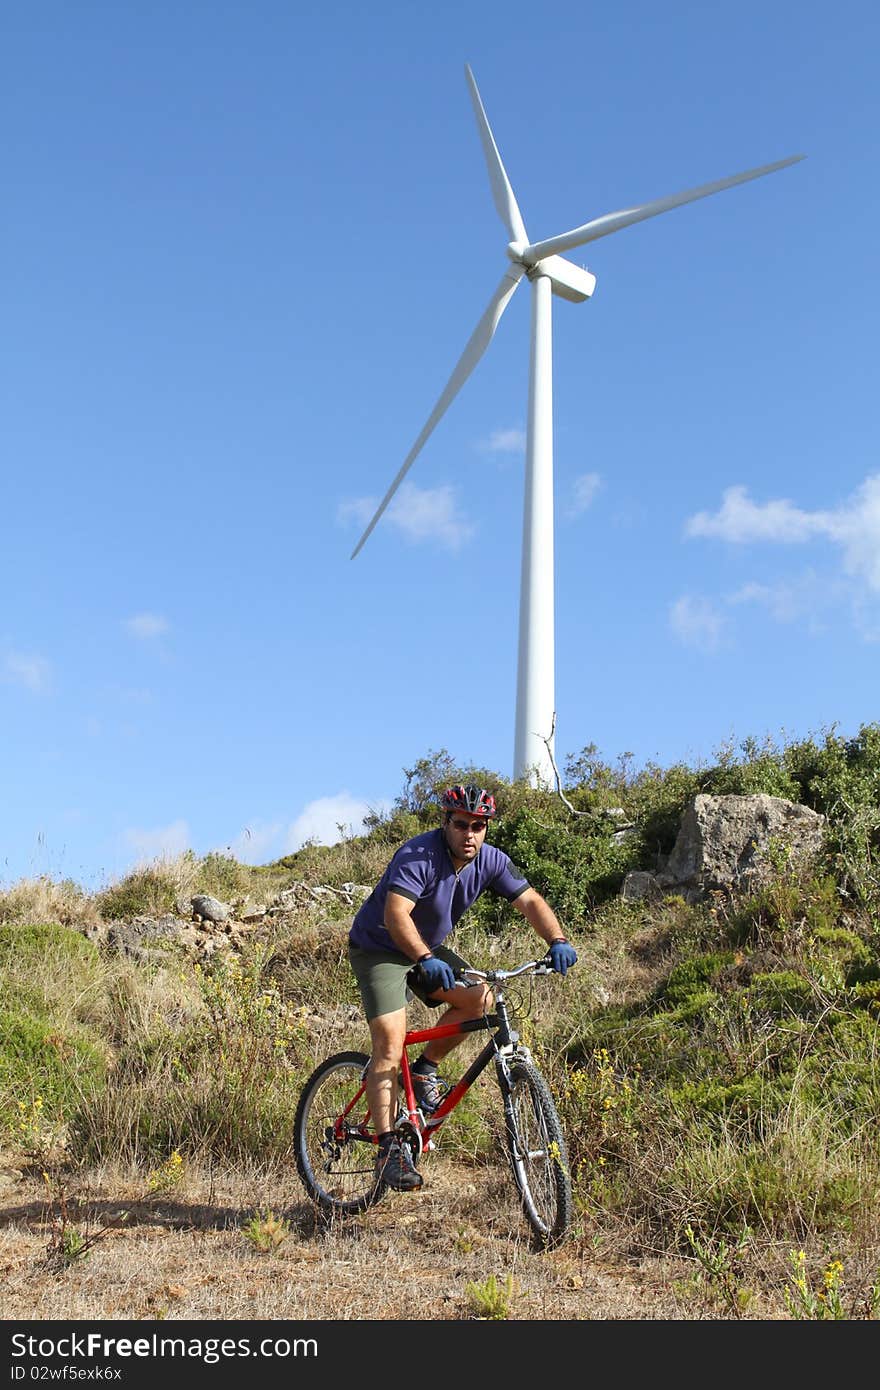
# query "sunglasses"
(463, 825)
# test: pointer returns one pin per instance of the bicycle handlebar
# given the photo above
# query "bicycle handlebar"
(537, 967)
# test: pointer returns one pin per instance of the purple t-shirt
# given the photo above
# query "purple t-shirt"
(422, 871)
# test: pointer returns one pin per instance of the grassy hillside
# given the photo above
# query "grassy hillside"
(715, 1065)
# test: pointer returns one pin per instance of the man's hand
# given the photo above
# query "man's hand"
(563, 956)
(436, 974)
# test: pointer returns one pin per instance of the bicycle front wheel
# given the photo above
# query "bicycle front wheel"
(333, 1136)
(538, 1154)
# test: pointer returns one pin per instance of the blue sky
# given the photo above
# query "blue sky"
(242, 248)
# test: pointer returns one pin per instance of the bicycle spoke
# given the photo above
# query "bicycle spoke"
(538, 1154)
(335, 1152)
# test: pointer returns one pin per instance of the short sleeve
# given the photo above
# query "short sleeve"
(509, 881)
(411, 873)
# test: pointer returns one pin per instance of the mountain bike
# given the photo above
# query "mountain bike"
(335, 1140)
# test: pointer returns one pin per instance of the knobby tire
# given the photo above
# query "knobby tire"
(337, 1172)
(538, 1154)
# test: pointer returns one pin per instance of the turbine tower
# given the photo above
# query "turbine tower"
(543, 264)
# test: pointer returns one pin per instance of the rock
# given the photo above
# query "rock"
(357, 890)
(143, 938)
(209, 909)
(620, 837)
(255, 913)
(149, 939)
(637, 885)
(724, 843)
(300, 894)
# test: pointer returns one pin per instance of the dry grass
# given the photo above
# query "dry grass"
(31, 901)
(187, 1255)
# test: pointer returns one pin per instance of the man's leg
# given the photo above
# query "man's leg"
(464, 1004)
(386, 1033)
(394, 1164)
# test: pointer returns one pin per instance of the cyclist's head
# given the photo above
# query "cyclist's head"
(468, 801)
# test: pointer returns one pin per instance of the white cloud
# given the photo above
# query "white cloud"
(320, 820)
(146, 626)
(696, 622)
(357, 510)
(854, 526)
(504, 442)
(583, 491)
(21, 668)
(429, 514)
(421, 514)
(806, 595)
(740, 519)
(779, 599)
(165, 841)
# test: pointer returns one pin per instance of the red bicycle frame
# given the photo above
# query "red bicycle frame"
(425, 1127)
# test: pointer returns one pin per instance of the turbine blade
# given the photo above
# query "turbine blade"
(615, 221)
(502, 192)
(476, 346)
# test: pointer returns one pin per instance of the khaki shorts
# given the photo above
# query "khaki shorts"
(385, 979)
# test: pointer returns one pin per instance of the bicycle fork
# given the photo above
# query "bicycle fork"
(503, 1059)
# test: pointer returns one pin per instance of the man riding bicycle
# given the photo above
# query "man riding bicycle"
(396, 951)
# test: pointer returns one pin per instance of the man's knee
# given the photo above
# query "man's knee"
(474, 1002)
(387, 1032)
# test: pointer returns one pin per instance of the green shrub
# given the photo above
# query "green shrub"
(782, 994)
(27, 947)
(690, 977)
(147, 892)
(222, 876)
(40, 1062)
(52, 970)
(867, 996)
(574, 864)
(841, 779)
(746, 1098)
(850, 950)
(761, 768)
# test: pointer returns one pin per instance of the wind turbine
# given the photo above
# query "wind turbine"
(543, 264)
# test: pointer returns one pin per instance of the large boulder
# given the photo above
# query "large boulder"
(724, 844)
(208, 909)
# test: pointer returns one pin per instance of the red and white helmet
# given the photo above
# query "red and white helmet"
(474, 801)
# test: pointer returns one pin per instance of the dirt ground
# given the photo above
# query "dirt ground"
(188, 1256)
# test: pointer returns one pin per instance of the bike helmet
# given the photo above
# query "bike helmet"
(474, 801)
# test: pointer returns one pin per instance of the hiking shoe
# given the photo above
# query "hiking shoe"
(428, 1089)
(394, 1167)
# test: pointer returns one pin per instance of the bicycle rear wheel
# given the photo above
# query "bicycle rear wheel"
(334, 1146)
(538, 1154)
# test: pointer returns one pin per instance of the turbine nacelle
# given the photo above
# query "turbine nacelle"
(569, 281)
(572, 282)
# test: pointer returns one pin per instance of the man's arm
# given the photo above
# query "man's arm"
(401, 927)
(539, 914)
